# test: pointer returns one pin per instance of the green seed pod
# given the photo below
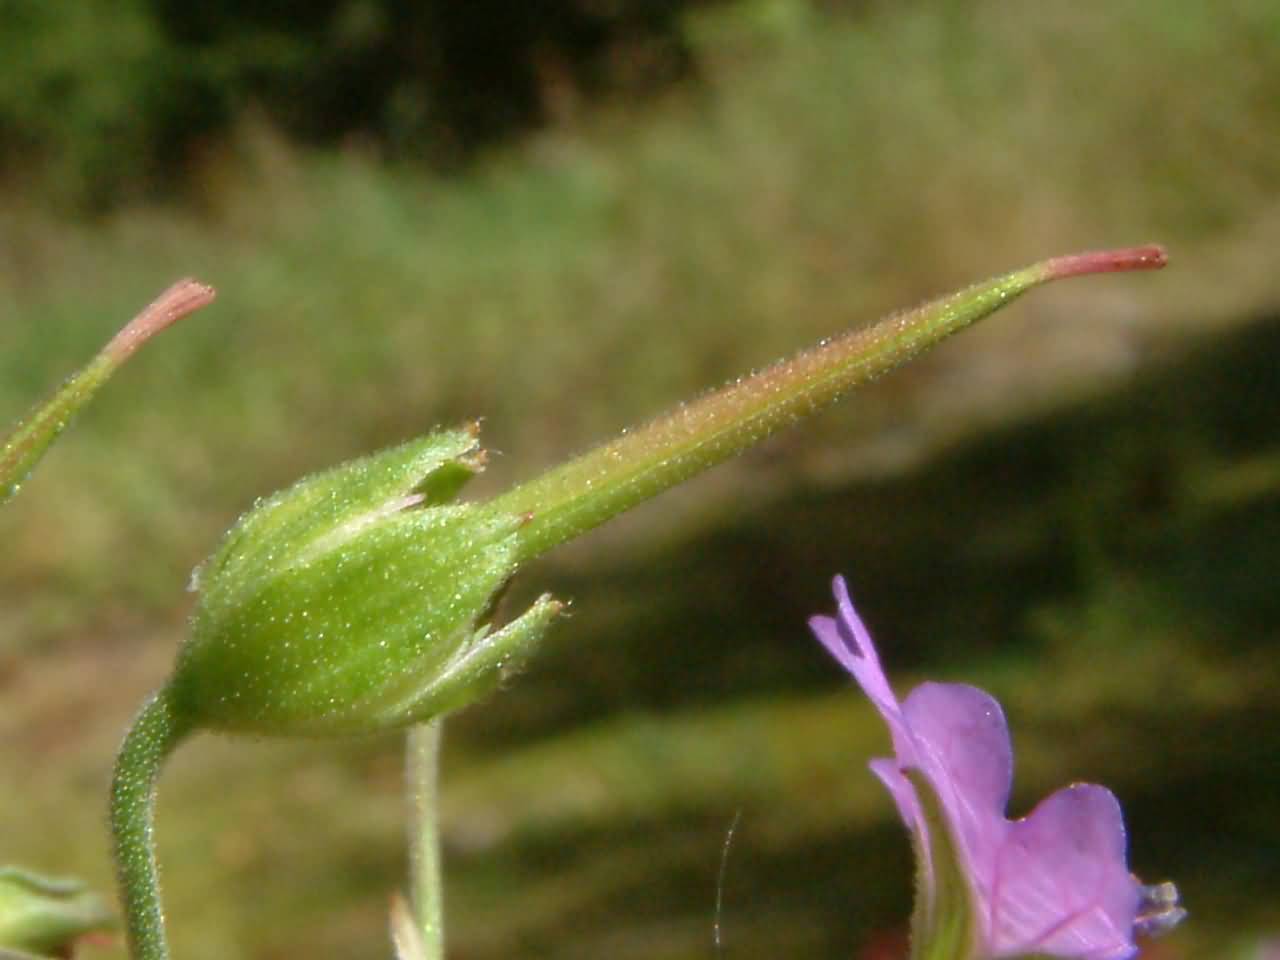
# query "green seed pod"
(355, 601)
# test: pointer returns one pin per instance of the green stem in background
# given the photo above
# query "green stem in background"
(569, 500)
(32, 438)
(153, 736)
(425, 876)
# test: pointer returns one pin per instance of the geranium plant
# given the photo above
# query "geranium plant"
(363, 599)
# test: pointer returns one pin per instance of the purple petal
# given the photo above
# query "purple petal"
(1053, 883)
(829, 634)
(905, 799)
(1060, 883)
(962, 742)
(848, 641)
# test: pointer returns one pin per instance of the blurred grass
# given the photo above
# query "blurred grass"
(825, 171)
(1106, 570)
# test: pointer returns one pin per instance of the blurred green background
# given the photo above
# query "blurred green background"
(565, 216)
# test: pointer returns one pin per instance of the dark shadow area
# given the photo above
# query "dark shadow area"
(160, 87)
(952, 566)
(817, 895)
(945, 564)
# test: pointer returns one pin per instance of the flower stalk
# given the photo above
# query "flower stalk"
(155, 733)
(426, 886)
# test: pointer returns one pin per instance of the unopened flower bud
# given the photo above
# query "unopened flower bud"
(44, 916)
(357, 600)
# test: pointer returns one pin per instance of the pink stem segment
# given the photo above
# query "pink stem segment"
(183, 298)
(1150, 257)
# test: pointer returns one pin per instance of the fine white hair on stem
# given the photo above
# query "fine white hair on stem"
(716, 927)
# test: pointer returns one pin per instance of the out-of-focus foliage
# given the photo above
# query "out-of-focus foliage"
(88, 98)
(123, 96)
(1107, 571)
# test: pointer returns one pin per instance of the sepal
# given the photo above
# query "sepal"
(356, 601)
(942, 923)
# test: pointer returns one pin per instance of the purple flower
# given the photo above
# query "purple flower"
(1053, 883)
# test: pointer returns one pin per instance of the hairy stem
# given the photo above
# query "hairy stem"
(422, 775)
(153, 736)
